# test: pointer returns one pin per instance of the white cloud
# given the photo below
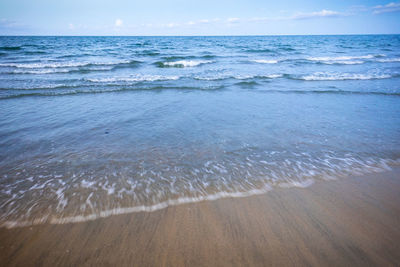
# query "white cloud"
(232, 20)
(71, 26)
(229, 22)
(298, 16)
(118, 23)
(202, 21)
(391, 7)
(318, 14)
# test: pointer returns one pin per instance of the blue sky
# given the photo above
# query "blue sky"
(189, 17)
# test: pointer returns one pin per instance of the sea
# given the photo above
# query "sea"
(92, 127)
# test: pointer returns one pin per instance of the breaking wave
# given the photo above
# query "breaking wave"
(324, 76)
(265, 61)
(182, 63)
(211, 181)
(137, 78)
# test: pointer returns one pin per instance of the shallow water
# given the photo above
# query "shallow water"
(95, 126)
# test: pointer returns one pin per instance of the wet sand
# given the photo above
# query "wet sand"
(353, 221)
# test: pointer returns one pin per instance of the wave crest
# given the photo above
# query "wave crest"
(265, 61)
(43, 65)
(137, 78)
(324, 76)
(182, 63)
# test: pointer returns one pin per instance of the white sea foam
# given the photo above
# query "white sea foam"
(137, 78)
(186, 63)
(141, 208)
(272, 76)
(265, 61)
(263, 76)
(41, 71)
(324, 76)
(349, 62)
(87, 184)
(301, 184)
(291, 173)
(342, 58)
(346, 60)
(388, 60)
(237, 77)
(58, 64)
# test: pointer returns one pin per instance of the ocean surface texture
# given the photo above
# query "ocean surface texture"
(96, 126)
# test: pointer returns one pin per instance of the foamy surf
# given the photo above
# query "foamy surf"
(343, 58)
(185, 63)
(333, 168)
(42, 65)
(347, 60)
(326, 76)
(141, 208)
(388, 60)
(265, 61)
(135, 78)
(238, 77)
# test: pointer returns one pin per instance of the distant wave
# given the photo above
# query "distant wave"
(329, 61)
(111, 85)
(148, 52)
(265, 61)
(137, 78)
(341, 58)
(65, 64)
(177, 57)
(261, 50)
(384, 60)
(345, 60)
(247, 83)
(287, 49)
(84, 69)
(35, 52)
(209, 56)
(38, 71)
(238, 77)
(182, 63)
(45, 87)
(102, 89)
(351, 60)
(342, 62)
(323, 76)
(10, 48)
(333, 92)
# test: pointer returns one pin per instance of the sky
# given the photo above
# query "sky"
(204, 17)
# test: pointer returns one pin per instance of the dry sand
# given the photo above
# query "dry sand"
(353, 221)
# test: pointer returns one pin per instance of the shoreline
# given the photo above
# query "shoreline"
(350, 221)
(47, 219)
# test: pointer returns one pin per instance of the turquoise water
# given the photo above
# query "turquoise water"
(96, 126)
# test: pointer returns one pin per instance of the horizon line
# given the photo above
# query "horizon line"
(217, 35)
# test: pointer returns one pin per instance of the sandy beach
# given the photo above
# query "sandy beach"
(353, 221)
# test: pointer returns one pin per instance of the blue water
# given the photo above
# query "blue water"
(96, 126)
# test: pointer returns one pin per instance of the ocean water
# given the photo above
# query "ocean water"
(96, 126)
